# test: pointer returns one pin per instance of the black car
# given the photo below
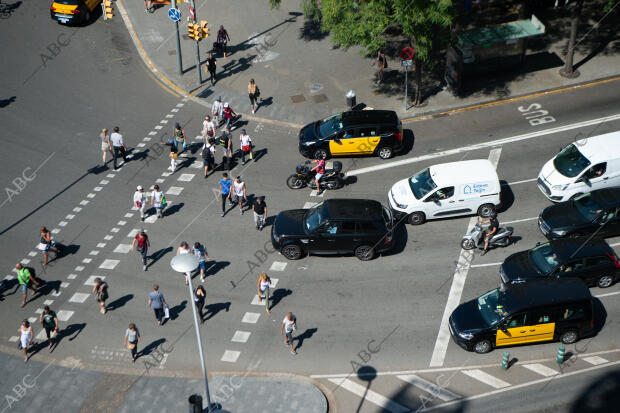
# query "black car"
(335, 226)
(591, 260)
(597, 211)
(355, 132)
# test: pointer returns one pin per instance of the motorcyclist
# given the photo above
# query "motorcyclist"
(492, 224)
(320, 171)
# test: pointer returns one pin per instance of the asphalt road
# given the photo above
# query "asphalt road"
(343, 305)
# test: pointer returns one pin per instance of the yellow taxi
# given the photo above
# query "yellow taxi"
(73, 11)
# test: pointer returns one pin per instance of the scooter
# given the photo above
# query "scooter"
(332, 179)
(475, 238)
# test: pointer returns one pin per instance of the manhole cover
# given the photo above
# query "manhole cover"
(319, 98)
(298, 98)
(315, 87)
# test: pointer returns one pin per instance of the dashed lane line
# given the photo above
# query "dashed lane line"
(519, 220)
(491, 264)
(230, 356)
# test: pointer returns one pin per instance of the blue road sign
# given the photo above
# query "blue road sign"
(174, 14)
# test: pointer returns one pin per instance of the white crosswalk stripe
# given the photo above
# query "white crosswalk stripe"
(186, 177)
(174, 190)
(386, 404)
(241, 336)
(429, 387)
(541, 369)
(123, 248)
(78, 298)
(109, 264)
(251, 318)
(230, 356)
(309, 205)
(64, 315)
(595, 360)
(91, 279)
(486, 378)
(278, 266)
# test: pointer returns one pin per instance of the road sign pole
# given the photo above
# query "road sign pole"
(405, 98)
(176, 25)
(197, 49)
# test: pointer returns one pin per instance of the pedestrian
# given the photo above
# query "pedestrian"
(246, 146)
(210, 67)
(184, 249)
(143, 245)
(139, 201)
(174, 154)
(381, 62)
(49, 320)
(158, 199)
(25, 279)
(47, 244)
(157, 302)
(199, 299)
(208, 128)
(208, 156)
(225, 185)
(179, 136)
(200, 251)
(118, 146)
(222, 40)
(262, 287)
(289, 324)
(216, 111)
(132, 338)
(228, 113)
(254, 94)
(101, 289)
(106, 146)
(25, 338)
(225, 141)
(240, 193)
(259, 207)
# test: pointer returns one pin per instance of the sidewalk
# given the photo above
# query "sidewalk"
(303, 77)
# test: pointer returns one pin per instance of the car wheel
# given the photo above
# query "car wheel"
(468, 244)
(385, 152)
(485, 210)
(576, 195)
(294, 182)
(291, 251)
(482, 346)
(416, 218)
(365, 252)
(569, 337)
(605, 281)
(320, 154)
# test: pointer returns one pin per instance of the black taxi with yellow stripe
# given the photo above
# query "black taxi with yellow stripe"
(73, 11)
(359, 132)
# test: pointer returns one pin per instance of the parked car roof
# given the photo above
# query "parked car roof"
(364, 209)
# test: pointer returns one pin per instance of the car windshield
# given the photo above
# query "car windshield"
(330, 125)
(570, 162)
(315, 217)
(422, 183)
(491, 307)
(544, 258)
(588, 206)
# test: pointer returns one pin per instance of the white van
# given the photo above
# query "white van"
(446, 190)
(583, 166)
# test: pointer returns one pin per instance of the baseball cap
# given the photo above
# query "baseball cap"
(139, 188)
(243, 131)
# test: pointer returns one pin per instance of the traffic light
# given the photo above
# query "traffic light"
(108, 10)
(193, 31)
(204, 30)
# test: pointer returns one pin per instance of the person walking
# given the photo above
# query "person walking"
(208, 129)
(179, 136)
(25, 279)
(49, 320)
(118, 145)
(139, 201)
(210, 67)
(259, 208)
(25, 338)
(200, 251)
(240, 193)
(199, 299)
(157, 302)
(184, 249)
(208, 156)
(101, 289)
(225, 141)
(225, 184)
(262, 287)
(254, 94)
(216, 111)
(158, 199)
(106, 146)
(47, 244)
(228, 113)
(222, 39)
(289, 325)
(143, 245)
(132, 338)
(246, 146)
(381, 62)
(174, 154)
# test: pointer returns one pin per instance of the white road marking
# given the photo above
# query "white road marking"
(9, 278)
(241, 336)
(48, 302)
(152, 133)
(313, 192)
(13, 339)
(115, 230)
(274, 282)
(141, 145)
(196, 165)
(64, 315)
(32, 253)
(250, 318)
(77, 209)
(123, 248)
(364, 392)
(84, 202)
(186, 177)
(158, 127)
(159, 180)
(174, 110)
(121, 223)
(614, 244)
(108, 237)
(32, 319)
(25, 261)
(71, 276)
(179, 105)
(147, 139)
(169, 116)
(133, 232)
(91, 279)
(56, 293)
(39, 311)
(491, 264)
(230, 356)
(429, 387)
(483, 145)
(519, 182)
(166, 173)
(64, 284)
(104, 182)
(87, 260)
(595, 360)
(110, 175)
(70, 216)
(541, 369)
(278, 266)
(91, 195)
(128, 215)
(519, 220)
(607, 295)
(42, 335)
(78, 298)
(97, 188)
(486, 378)
(256, 302)
(79, 268)
(150, 219)
(94, 252)
(309, 205)
(55, 231)
(109, 264)
(174, 190)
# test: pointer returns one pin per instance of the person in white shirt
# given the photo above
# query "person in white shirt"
(139, 200)
(208, 128)
(246, 146)
(157, 198)
(289, 324)
(216, 111)
(118, 145)
(184, 249)
(239, 192)
(105, 145)
(208, 156)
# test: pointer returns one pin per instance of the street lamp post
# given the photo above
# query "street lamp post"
(187, 263)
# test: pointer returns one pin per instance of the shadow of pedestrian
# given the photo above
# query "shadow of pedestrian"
(150, 347)
(157, 255)
(306, 334)
(215, 267)
(46, 289)
(6, 285)
(173, 209)
(6, 102)
(213, 309)
(177, 309)
(270, 220)
(265, 102)
(71, 330)
(278, 295)
(259, 154)
(119, 302)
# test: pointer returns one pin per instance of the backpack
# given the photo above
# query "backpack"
(206, 153)
(223, 140)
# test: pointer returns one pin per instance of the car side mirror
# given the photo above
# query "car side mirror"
(503, 328)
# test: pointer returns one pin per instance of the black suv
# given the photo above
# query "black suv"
(335, 226)
(355, 132)
(593, 261)
(597, 211)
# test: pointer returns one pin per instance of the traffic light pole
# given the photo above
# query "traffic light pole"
(197, 48)
(176, 25)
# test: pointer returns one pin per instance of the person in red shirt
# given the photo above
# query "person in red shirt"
(143, 245)
(228, 113)
(320, 171)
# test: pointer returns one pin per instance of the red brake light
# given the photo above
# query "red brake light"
(75, 11)
(614, 259)
(52, 8)
(398, 136)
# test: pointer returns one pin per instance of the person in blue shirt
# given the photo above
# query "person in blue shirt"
(225, 184)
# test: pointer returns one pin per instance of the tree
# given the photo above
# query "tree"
(364, 22)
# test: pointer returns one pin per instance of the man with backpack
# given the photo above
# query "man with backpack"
(208, 155)
(225, 141)
(26, 278)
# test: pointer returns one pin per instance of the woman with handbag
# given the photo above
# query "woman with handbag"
(174, 154)
(25, 338)
(132, 338)
(143, 245)
(101, 289)
(246, 146)
(158, 200)
(208, 129)
(254, 94)
(262, 288)
(139, 200)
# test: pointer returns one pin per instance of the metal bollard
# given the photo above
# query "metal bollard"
(351, 101)
(561, 353)
(505, 360)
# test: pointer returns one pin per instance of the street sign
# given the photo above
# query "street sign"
(406, 63)
(174, 14)
(407, 53)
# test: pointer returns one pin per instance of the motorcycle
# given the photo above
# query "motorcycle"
(475, 238)
(332, 178)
